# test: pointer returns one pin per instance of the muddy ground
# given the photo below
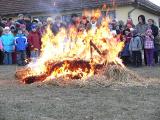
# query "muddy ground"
(47, 102)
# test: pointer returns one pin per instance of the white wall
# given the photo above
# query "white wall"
(122, 14)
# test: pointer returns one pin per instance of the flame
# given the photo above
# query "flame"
(95, 46)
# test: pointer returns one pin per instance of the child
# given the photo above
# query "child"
(149, 47)
(21, 44)
(8, 45)
(34, 42)
(125, 53)
(135, 48)
(25, 33)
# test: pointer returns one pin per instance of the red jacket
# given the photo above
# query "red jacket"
(34, 40)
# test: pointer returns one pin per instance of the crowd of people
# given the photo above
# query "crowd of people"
(20, 39)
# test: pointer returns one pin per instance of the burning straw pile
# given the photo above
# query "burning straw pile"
(78, 58)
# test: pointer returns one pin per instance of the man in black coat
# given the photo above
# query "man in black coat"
(155, 34)
(57, 25)
(28, 22)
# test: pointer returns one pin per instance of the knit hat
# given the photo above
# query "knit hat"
(20, 15)
(6, 28)
(149, 31)
(12, 27)
(33, 26)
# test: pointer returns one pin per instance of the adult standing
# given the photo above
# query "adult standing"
(141, 28)
(154, 29)
(27, 19)
(21, 19)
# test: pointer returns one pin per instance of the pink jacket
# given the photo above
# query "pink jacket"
(149, 43)
(1, 46)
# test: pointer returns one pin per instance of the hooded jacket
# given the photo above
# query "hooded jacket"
(34, 39)
(8, 42)
(135, 44)
(1, 46)
(20, 42)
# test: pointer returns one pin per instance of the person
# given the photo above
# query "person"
(1, 47)
(25, 33)
(34, 42)
(1, 24)
(13, 30)
(10, 22)
(8, 45)
(24, 30)
(74, 19)
(1, 53)
(149, 47)
(28, 23)
(130, 24)
(85, 23)
(93, 23)
(141, 28)
(135, 47)
(75, 23)
(21, 44)
(4, 21)
(21, 19)
(57, 25)
(125, 53)
(154, 29)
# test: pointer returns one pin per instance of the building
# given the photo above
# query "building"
(120, 9)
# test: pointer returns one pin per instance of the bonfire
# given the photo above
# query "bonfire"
(74, 55)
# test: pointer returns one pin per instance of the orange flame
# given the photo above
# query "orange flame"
(96, 46)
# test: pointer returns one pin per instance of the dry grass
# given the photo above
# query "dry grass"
(112, 75)
(91, 99)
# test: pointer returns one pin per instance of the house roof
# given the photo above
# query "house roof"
(9, 7)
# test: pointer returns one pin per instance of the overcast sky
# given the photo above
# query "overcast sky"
(157, 2)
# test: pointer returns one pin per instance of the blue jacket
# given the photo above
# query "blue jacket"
(8, 42)
(20, 42)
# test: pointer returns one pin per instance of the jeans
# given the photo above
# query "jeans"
(156, 56)
(7, 58)
(137, 57)
(149, 56)
(21, 56)
(35, 54)
(1, 57)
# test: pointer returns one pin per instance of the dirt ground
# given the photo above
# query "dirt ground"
(47, 102)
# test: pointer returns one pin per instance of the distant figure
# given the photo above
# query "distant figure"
(93, 24)
(1, 47)
(21, 19)
(4, 21)
(28, 23)
(10, 22)
(85, 23)
(21, 44)
(1, 53)
(8, 45)
(1, 24)
(149, 47)
(57, 25)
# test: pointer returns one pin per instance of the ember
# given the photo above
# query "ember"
(73, 55)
